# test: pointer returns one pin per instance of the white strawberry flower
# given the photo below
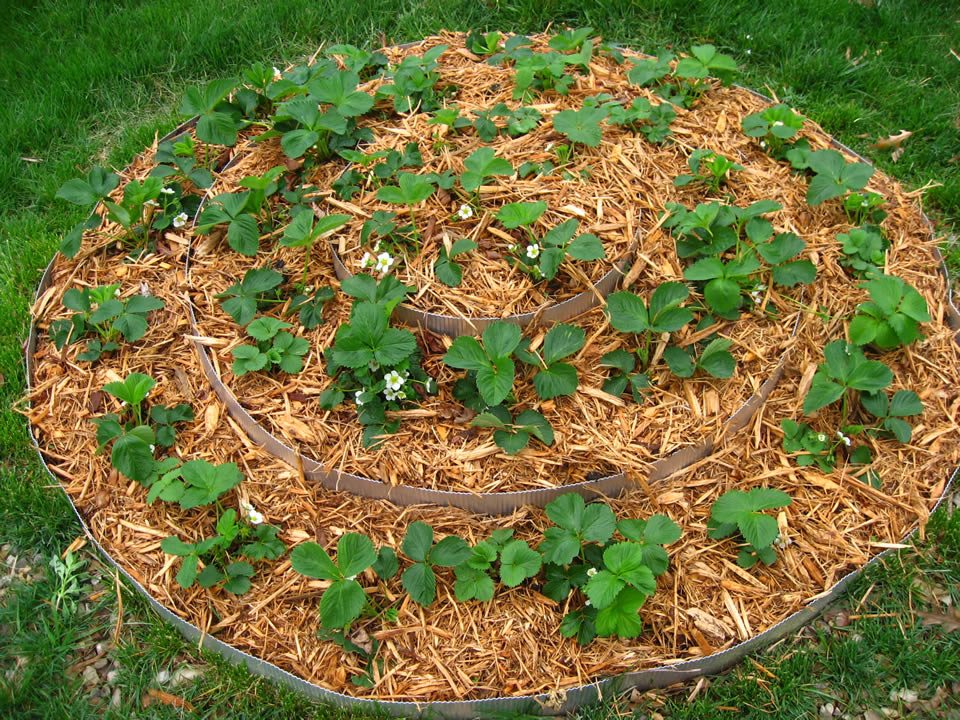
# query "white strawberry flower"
(394, 380)
(367, 260)
(167, 191)
(358, 397)
(821, 437)
(591, 572)
(385, 261)
(251, 514)
(533, 251)
(465, 212)
(180, 220)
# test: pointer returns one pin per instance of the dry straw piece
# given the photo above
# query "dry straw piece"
(510, 646)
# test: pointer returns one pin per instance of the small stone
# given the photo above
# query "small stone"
(162, 677)
(90, 675)
(184, 675)
(112, 676)
(115, 698)
(101, 663)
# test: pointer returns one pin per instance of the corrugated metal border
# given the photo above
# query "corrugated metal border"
(543, 704)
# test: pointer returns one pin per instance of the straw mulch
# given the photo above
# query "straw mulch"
(510, 646)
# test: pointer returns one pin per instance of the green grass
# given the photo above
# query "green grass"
(87, 82)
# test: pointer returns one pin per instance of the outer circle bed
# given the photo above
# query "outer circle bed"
(307, 470)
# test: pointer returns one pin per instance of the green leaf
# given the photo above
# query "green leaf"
(626, 561)
(781, 248)
(172, 545)
(759, 530)
(207, 482)
(716, 358)
(482, 164)
(586, 247)
(387, 563)
(296, 142)
(722, 295)
(342, 603)
(560, 546)
(473, 584)
(520, 214)
(798, 272)
(495, 380)
(264, 328)
(518, 562)
(313, 561)
(417, 541)
(628, 313)
(561, 341)
(679, 361)
(905, 403)
(449, 552)
(581, 126)
(188, 571)
(133, 390)
(410, 190)
(536, 424)
(621, 618)
(355, 554)
(243, 235)
(661, 530)
(420, 583)
(556, 380)
(131, 455)
(870, 376)
(603, 588)
(500, 339)
(822, 392)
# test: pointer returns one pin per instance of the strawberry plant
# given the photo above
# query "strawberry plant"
(844, 372)
(704, 61)
(196, 483)
(630, 314)
(480, 165)
(259, 289)
(177, 163)
(542, 257)
(512, 434)
(275, 348)
(414, 83)
(773, 126)
(86, 192)
(650, 71)
(489, 366)
(711, 229)
(714, 359)
(474, 581)
(890, 413)
(377, 364)
(651, 535)
(304, 231)
(135, 432)
(410, 190)
(100, 311)
(233, 539)
(243, 215)
(345, 600)
(419, 579)
(653, 121)
(519, 121)
(862, 208)
(741, 512)
(581, 126)
(481, 43)
(893, 315)
(554, 378)
(709, 168)
(834, 176)
(538, 73)
(367, 64)
(219, 120)
(447, 270)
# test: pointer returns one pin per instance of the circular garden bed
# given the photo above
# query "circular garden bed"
(331, 371)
